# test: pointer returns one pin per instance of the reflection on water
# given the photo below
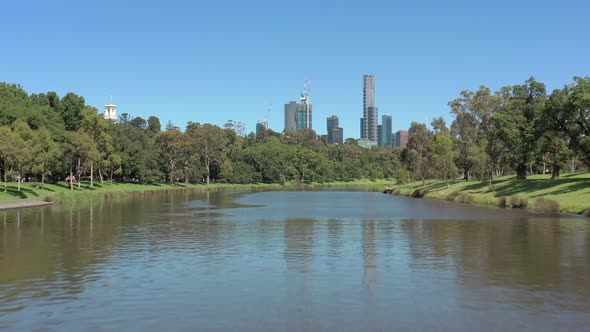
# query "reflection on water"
(289, 260)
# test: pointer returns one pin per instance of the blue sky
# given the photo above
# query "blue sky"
(210, 61)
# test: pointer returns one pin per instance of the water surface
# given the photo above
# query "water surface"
(291, 260)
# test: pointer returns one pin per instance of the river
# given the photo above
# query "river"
(291, 260)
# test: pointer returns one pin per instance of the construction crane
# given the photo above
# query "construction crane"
(267, 118)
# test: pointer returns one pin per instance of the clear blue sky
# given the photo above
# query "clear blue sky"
(210, 61)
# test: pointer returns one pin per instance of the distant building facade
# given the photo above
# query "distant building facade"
(298, 116)
(335, 133)
(260, 126)
(366, 143)
(110, 112)
(401, 138)
(370, 119)
(386, 131)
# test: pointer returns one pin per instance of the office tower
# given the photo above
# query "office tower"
(402, 138)
(290, 112)
(379, 133)
(385, 134)
(335, 133)
(303, 115)
(394, 140)
(298, 115)
(370, 118)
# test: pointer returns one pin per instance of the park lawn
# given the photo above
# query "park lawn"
(62, 189)
(571, 191)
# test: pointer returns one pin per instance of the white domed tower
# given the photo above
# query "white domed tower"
(110, 112)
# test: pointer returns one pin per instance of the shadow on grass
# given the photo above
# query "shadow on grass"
(532, 185)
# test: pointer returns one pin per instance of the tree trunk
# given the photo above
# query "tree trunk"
(531, 168)
(521, 171)
(42, 179)
(544, 167)
(78, 171)
(91, 175)
(100, 175)
(555, 172)
(18, 185)
(573, 166)
(71, 178)
(208, 172)
(491, 180)
(466, 174)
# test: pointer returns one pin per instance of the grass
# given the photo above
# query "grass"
(570, 194)
(61, 191)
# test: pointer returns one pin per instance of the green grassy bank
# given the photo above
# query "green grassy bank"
(569, 194)
(61, 191)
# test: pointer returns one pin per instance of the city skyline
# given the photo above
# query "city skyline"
(202, 61)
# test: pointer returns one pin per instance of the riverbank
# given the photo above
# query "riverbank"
(61, 192)
(569, 194)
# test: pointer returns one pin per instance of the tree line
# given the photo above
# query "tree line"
(519, 129)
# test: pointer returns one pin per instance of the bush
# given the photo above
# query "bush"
(546, 205)
(419, 193)
(465, 198)
(501, 202)
(518, 202)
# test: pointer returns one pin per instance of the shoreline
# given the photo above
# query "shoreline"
(57, 194)
(567, 196)
(20, 204)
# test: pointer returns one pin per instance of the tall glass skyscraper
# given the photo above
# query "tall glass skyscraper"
(370, 118)
(385, 134)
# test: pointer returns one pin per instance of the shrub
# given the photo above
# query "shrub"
(419, 193)
(546, 205)
(501, 202)
(518, 202)
(465, 198)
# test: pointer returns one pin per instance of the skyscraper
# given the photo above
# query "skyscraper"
(385, 134)
(370, 118)
(298, 115)
(335, 134)
(290, 112)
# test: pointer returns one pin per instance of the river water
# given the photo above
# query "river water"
(291, 260)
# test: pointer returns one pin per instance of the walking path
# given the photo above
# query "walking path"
(21, 204)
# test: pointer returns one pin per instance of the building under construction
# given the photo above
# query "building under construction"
(298, 115)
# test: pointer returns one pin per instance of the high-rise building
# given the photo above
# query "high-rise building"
(370, 118)
(303, 115)
(335, 133)
(394, 140)
(402, 138)
(290, 112)
(298, 115)
(261, 125)
(110, 112)
(385, 134)
(379, 133)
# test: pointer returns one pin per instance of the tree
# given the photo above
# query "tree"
(170, 146)
(443, 156)
(480, 107)
(70, 108)
(46, 153)
(79, 149)
(518, 124)
(211, 141)
(11, 145)
(23, 160)
(153, 125)
(418, 139)
(138, 122)
(576, 114)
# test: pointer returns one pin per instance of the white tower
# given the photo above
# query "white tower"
(110, 112)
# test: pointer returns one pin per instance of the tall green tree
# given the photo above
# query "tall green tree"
(46, 154)
(212, 142)
(418, 141)
(518, 124)
(70, 107)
